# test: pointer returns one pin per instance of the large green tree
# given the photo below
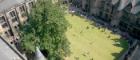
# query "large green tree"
(46, 29)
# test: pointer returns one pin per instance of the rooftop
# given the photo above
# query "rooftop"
(5, 4)
(6, 53)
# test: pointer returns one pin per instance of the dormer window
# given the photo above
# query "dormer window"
(22, 9)
(13, 16)
(4, 25)
(31, 4)
(2, 19)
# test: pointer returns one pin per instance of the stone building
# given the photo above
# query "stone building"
(123, 14)
(13, 13)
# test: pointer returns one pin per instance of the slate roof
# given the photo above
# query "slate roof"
(6, 53)
(6, 4)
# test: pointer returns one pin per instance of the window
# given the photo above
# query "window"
(10, 32)
(16, 28)
(2, 19)
(4, 25)
(14, 19)
(22, 9)
(31, 4)
(6, 33)
(12, 14)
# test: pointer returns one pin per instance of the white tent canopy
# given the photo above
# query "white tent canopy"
(39, 55)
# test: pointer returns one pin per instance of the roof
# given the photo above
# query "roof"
(6, 53)
(5, 4)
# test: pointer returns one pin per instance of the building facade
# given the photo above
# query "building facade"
(12, 14)
(123, 14)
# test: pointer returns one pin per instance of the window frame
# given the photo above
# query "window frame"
(2, 19)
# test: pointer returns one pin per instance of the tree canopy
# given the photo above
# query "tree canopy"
(46, 29)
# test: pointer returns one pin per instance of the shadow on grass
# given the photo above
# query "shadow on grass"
(122, 43)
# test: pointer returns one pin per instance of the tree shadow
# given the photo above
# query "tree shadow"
(122, 43)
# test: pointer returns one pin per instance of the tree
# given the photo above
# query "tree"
(46, 29)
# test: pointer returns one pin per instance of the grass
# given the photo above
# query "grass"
(90, 43)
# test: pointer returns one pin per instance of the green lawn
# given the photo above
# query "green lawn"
(88, 42)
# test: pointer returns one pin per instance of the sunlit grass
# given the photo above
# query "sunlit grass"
(88, 42)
